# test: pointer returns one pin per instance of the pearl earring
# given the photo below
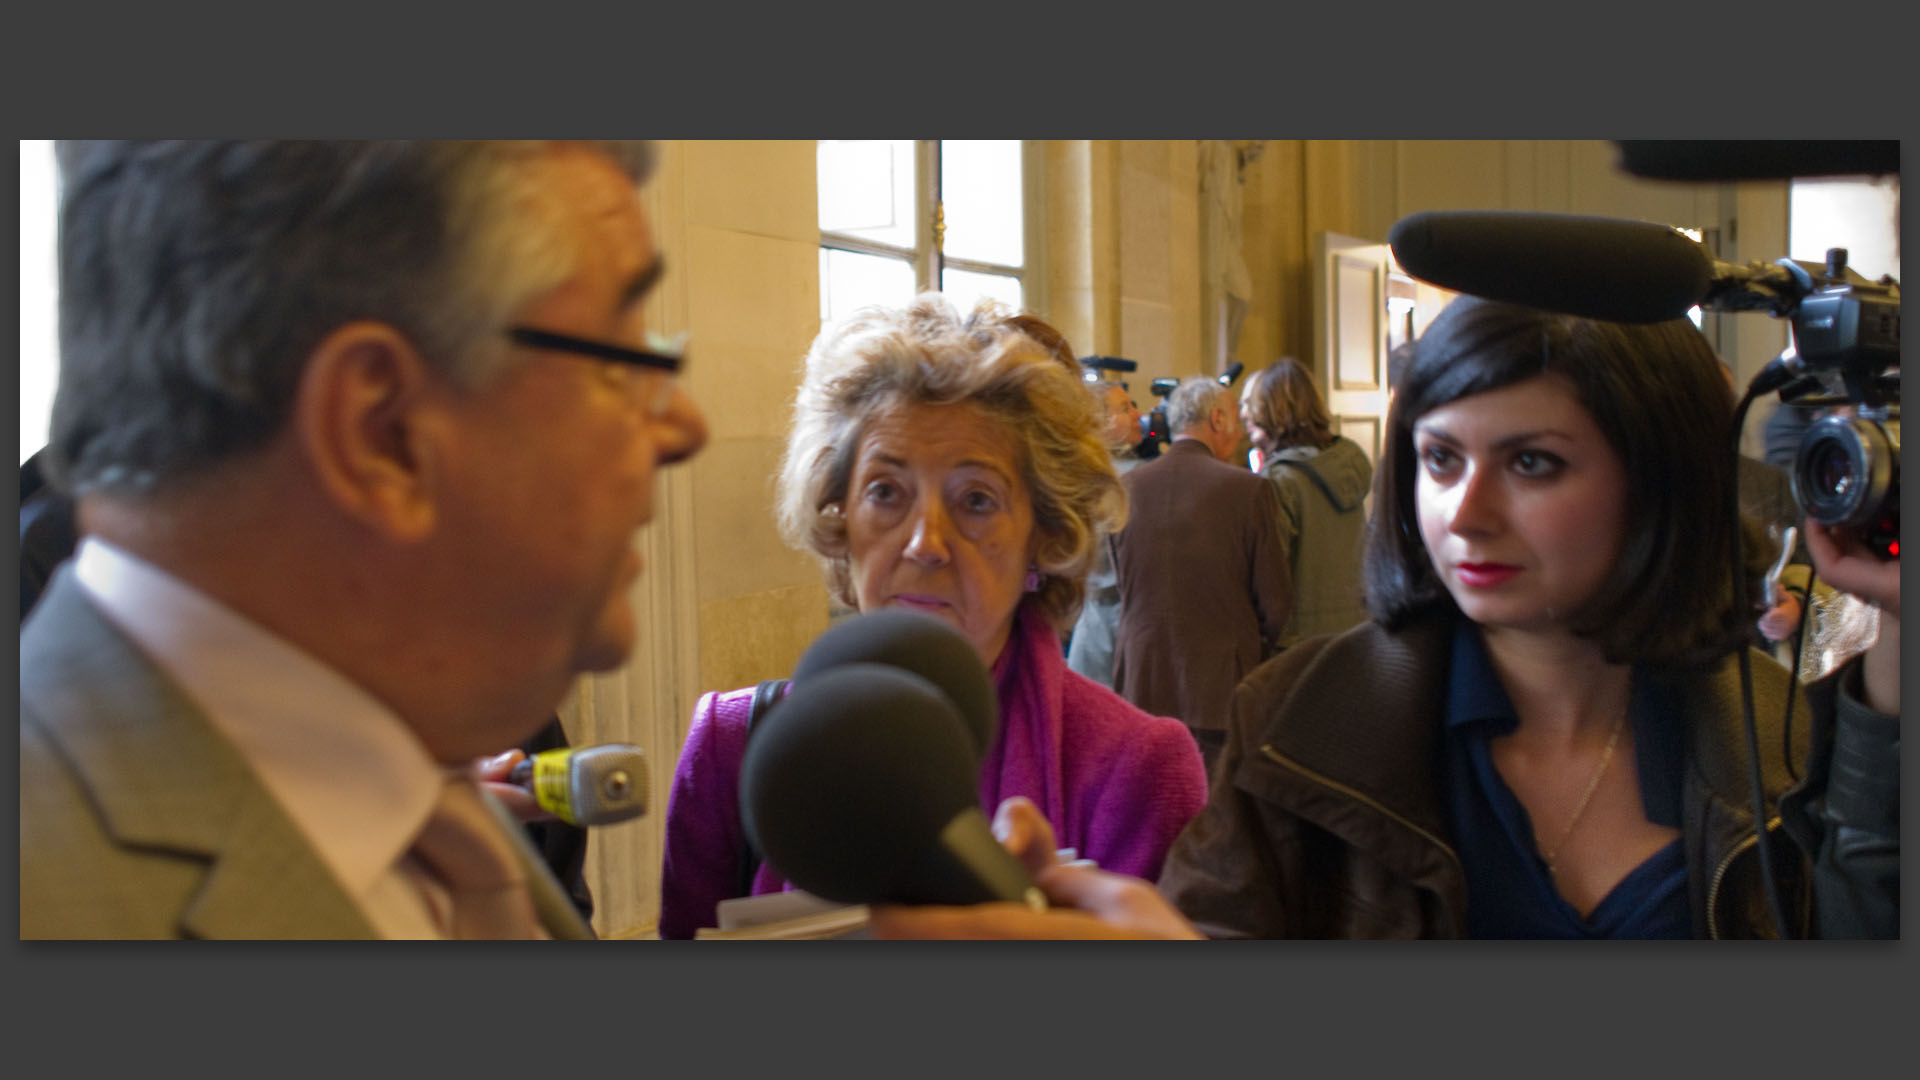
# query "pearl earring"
(1033, 579)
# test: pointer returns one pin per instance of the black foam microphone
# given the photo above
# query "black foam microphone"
(864, 791)
(1597, 267)
(923, 644)
(587, 785)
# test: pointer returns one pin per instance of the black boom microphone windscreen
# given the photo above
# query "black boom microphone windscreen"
(1597, 267)
(863, 790)
(920, 643)
(1756, 159)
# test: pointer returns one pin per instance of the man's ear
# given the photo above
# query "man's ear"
(359, 416)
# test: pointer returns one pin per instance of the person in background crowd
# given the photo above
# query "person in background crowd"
(1321, 479)
(1766, 500)
(1204, 591)
(1090, 649)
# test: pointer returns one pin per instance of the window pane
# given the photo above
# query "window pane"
(1861, 215)
(963, 287)
(39, 292)
(980, 191)
(866, 189)
(851, 280)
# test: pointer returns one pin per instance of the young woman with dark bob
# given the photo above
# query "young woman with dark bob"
(1539, 731)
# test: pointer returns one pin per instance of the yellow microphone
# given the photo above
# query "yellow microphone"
(589, 785)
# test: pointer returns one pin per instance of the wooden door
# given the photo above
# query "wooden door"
(1350, 335)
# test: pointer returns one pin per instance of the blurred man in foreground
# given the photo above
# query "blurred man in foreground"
(360, 434)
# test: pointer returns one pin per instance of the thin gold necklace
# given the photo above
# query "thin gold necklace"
(1593, 784)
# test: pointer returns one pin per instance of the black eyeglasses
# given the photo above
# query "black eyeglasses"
(665, 354)
(670, 352)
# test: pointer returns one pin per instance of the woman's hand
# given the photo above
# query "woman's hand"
(1091, 903)
(1094, 904)
(1025, 832)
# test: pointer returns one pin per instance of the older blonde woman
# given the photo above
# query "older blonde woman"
(953, 465)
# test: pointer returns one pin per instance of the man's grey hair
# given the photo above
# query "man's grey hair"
(197, 276)
(1191, 401)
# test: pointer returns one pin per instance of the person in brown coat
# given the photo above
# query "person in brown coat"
(1204, 588)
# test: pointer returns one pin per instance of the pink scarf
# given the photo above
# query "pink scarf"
(1027, 757)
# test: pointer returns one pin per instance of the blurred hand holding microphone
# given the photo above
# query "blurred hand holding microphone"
(586, 786)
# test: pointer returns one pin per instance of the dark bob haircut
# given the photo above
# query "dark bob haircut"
(1657, 393)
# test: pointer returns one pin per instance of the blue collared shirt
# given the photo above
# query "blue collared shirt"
(1510, 893)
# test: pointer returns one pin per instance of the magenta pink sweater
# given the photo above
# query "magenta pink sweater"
(1117, 784)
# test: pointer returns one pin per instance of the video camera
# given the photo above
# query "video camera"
(1845, 357)
(1098, 366)
(1155, 431)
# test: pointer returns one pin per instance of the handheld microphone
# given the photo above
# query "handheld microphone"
(1596, 267)
(864, 791)
(925, 645)
(590, 785)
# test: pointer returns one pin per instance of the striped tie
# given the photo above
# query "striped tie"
(463, 849)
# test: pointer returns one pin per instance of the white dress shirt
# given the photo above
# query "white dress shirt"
(354, 778)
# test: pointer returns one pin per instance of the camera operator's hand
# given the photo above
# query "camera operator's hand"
(1847, 564)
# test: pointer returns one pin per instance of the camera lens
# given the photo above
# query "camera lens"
(1847, 470)
(1833, 470)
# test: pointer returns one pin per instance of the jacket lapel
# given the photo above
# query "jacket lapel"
(165, 781)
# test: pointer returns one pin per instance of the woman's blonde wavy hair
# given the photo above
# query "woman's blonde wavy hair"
(882, 359)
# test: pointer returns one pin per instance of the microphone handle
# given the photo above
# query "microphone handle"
(570, 794)
(968, 866)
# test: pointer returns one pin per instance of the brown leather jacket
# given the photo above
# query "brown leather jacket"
(1327, 818)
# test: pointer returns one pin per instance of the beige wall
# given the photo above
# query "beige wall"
(723, 603)
(1124, 244)
(751, 246)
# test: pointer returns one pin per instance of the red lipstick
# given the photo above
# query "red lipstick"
(1484, 575)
